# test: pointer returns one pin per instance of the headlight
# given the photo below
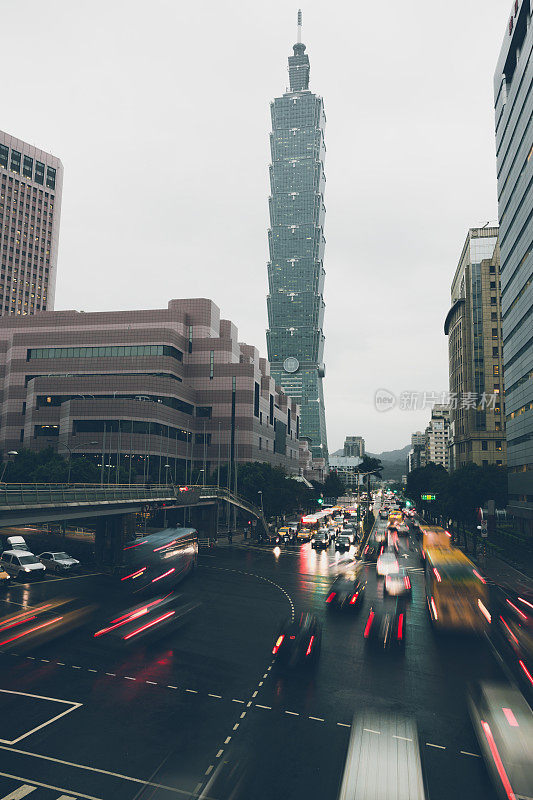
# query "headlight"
(27, 569)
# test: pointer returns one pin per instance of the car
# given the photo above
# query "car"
(50, 619)
(157, 617)
(303, 536)
(380, 536)
(58, 562)
(387, 563)
(284, 535)
(385, 625)
(343, 542)
(370, 552)
(347, 591)
(320, 541)
(512, 626)
(397, 584)
(298, 641)
(503, 723)
(21, 565)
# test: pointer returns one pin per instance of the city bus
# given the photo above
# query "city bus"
(160, 559)
(456, 593)
(434, 536)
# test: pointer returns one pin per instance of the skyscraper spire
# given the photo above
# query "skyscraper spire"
(299, 62)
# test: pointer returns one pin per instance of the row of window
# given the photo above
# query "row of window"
(26, 164)
(116, 351)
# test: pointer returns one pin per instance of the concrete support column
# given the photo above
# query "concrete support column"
(110, 535)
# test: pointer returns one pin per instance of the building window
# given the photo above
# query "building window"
(51, 177)
(4, 152)
(495, 369)
(114, 351)
(15, 161)
(271, 412)
(211, 364)
(495, 333)
(46, 430)
(498, 445)
(22, 434)
(495, 352)
(27, 167)
(190, 338)
(39, 172)
(256, 399)
(204, 411)
(484, 445)
(260, 443)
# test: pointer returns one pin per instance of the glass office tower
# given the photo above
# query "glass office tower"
(296, 243)
(514, 153)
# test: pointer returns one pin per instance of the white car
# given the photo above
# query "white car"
(22, 565)
(58, 562)
(386, 564)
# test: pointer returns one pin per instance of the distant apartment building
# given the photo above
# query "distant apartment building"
(416, 458)
(155, 393)
(31, 183)
(513, 106)
(437, 435)
(474, 329)
(354, 446)
(347, 468)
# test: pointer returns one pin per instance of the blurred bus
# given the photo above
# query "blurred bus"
(383, 759)
(433, 536)
(160, 559)
(456, 593)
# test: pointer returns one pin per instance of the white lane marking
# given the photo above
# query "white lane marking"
(48, 786)
(237, 701)
(369, 730)
(293, 713)
(152, 683)
(243, 714)
(260, 683)
(235, 726)
(46, 661)
(97, 770)
(111, 674)
(74, 667)
(192, 691)
(197, 788)
(269, 708)
(265, 675)
(466, 753)
(71, 703)
(344, 725)
(219, 753)
(440, 746)
(61, 663)
(209, 769)
(19, 793)
(127, 678)
(403, 738)
(73, 578)
(218, 696)
(318, 719)
(66, 797)
(227, 740)
(255, 694)
(92, 670)
(248, 704)
(171, 687)
(31, 657)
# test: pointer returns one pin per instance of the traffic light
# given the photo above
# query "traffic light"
(320, 500)
(408, 504)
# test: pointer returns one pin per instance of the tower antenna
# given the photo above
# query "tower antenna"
(299, 37)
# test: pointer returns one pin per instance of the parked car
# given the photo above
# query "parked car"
(20, 564)
(58, 562)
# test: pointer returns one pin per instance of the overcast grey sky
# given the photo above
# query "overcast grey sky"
(160, 113)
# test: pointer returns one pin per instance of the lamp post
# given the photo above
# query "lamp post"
(72, 450)
(10, 453)
(167, 467)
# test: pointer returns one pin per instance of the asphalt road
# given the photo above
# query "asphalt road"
(205, 709)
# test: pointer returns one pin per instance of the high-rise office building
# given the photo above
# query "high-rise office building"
(354, 446)
(296, 244)
(513, 80)
(437, 435)
(417, 454)
(30, 207)
(473, 327)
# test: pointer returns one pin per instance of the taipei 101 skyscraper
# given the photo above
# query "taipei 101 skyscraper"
(295, 339)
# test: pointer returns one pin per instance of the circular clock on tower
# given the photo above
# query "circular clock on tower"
(291, 364)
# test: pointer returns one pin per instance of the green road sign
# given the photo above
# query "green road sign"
(428, 496)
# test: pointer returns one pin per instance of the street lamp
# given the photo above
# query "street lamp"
(70, 451)
(260, 493)
(167, 467)
(10, 453)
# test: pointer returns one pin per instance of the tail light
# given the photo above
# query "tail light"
(407, 582)
(310, 646)
(434, 609)
(354, 598)
(481, 578)
(331, 596)
(437, 575)
(368, 624)
(366, 549)
(278, 644)
(400, 627)
(526, 671)
(497, 760)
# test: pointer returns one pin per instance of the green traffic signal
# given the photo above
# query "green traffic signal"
(320, 500)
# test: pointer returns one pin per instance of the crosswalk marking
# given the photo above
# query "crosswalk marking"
(19, 793)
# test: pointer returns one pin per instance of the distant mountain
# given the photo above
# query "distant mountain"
(394, 462)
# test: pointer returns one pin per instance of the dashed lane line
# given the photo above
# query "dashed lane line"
(439, 746)
(268, 708)
(218, 696)
(466, 753)
(343, 725)
(293, 713)
(318, 719)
